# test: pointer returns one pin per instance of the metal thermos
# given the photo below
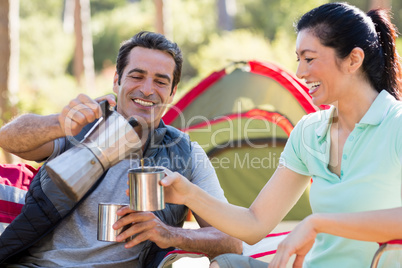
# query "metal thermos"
(106, 218)
(111, 140)
(144, 190)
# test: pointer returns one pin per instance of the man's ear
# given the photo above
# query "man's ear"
(116, 83)
(355, 60)
(172, 93)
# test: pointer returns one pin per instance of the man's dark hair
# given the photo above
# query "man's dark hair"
(152, 41)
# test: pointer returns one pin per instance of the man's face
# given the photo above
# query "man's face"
(146, 83)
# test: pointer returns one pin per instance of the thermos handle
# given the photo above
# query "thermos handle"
(105, 107)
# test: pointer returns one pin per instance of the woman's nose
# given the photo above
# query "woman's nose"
(300, 72)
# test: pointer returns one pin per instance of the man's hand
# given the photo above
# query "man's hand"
(81, 111)
(78, 113)
(111, 98)
(145, 226)
(206, 239)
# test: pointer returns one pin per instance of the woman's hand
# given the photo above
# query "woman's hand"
(177, 188)
(298, 242)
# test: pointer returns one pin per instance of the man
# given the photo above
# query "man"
(53, 231)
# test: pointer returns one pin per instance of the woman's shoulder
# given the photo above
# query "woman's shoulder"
(396, 108)
(394, 113)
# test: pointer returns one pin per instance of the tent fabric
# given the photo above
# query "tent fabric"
(286, 80)
(276, 118)
(242, 116)
(229, 131)
(238, 92)
(244, 163)
(192, 95)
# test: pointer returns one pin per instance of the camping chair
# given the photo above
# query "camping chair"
(15, 180)
(392, 247)
(268, 245)
(265, 247)
(14, 183)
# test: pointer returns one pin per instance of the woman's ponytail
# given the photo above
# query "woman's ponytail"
(391, 80)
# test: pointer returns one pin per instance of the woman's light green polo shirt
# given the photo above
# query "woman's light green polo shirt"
(371, 174)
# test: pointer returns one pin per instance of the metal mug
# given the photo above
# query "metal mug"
(144, 190)
(106, 218)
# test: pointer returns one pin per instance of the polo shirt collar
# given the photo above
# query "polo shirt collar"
(322, 129)
(378, 109)
(374, 116)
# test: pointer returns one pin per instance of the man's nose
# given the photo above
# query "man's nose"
(147, 88)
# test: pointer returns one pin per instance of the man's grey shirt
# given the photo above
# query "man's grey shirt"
(74, 242)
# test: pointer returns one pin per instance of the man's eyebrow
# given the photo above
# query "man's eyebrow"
(141, 71)
(137, 70)
(163, 76)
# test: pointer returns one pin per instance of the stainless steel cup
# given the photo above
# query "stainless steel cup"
(106, 218)
(145, 192)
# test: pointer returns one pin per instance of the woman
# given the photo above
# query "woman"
(353, 151)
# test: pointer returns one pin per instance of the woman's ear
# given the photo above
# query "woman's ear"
(355, 59)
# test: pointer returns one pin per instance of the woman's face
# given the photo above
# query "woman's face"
(320, 68)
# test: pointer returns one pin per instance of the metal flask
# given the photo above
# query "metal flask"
(112, 139)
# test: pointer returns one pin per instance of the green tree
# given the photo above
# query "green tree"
(263, 30)
(45, 51)
(271, 16)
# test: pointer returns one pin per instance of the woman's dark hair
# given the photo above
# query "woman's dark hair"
(152, 41)
(344, 27)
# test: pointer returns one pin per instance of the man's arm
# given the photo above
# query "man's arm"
(208, 240)
(31, 136)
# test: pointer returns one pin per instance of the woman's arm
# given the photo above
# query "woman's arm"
(248, 224)
(375, 226)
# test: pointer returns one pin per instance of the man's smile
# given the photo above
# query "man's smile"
(144, 103)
